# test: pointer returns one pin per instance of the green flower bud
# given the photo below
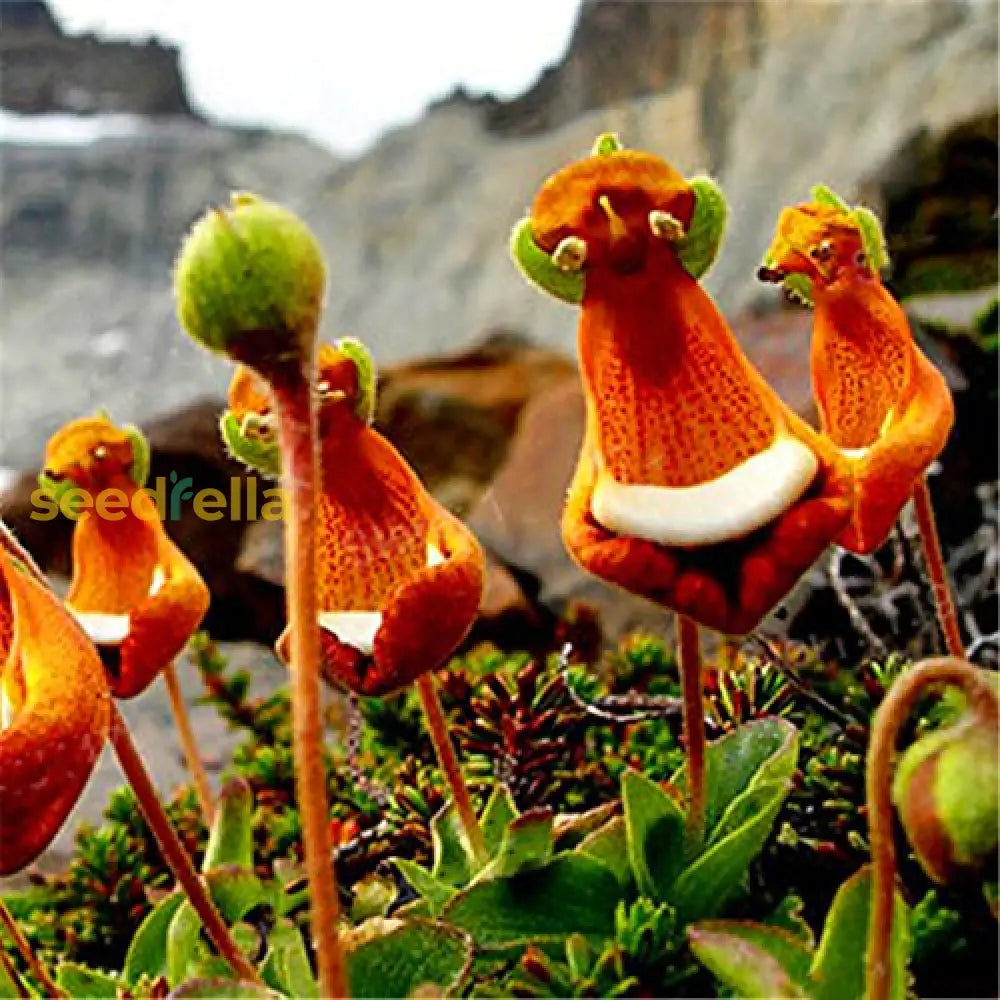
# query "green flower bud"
(249, 282)
(946, 791)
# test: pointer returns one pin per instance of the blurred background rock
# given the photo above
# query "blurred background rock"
(892, 103)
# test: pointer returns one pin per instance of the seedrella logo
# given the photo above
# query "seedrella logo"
(170, 496)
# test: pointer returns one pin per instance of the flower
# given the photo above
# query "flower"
(54, 714)
(399, 578)
(134, 592)
(880, 400)
(696, 487)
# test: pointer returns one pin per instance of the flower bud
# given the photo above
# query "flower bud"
(946, 793)
(249, 282)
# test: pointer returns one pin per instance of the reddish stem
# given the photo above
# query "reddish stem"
(300, 462)
(892, 713)
(172, 850)
(437, 726)
(931, 544)
(689, 655)
(189, 745)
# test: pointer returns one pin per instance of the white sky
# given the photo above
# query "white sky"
(338, 70)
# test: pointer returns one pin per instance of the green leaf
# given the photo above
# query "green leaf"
(183, 940)
(222, 989)
(537, 266)
(754, 961)
(83, 983)
(838, 970)
(434, 891)
(609, 845)
(572, 894)
(236, 891)
(230, 841)
(497, 815)
(8, 987)
(710, 881)
(654, 834)
(527, 843)
(700, 246)
(757, 752)
(407, 955)
(286, 966)
(147, 954)
(453, 863)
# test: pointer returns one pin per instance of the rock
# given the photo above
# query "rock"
(45, 70)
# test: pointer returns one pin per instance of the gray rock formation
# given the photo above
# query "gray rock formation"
(771, 96)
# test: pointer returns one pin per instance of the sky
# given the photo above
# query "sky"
(341, 71)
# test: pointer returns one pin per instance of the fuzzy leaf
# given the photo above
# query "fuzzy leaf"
(231, 839)
(83, 983)
(413, 953)
(434, 892)
(654, 833)
(497, 815)
(147, 954)
(756, 962)
(537, 266)
(838, 969)
(453, 863)
(761, 751)
(572, 894)
(222, 989)
(527, 843)
(700, 246)
(609, 845)
(710, 881)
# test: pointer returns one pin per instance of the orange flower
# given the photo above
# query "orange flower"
(880, 400)
(400, 578)
(54, 714)
(135, 593)
(696, 486)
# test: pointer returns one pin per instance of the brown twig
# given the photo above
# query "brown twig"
(689, 655)
(171, 848)
(931, 544)
(33, 962)
(300, 460)
(892, 713)
(437, 726)
(189, 745)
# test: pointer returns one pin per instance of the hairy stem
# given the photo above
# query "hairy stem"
(931, 544)
(689, 647)
(889, 718)
(437, 726)
(171, 848)
(189, 745)
(300, 461)
(33, 962)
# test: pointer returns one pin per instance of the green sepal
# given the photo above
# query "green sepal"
(829, 198)
(606, 144)
(261, 456)
(139, 470)
(799, 288)
(872, 238)
(354, 349)
(700, 246)
(537, 266)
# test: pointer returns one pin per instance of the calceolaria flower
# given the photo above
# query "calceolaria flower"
(880, 400)
(399, 578)
(696, 486)
(135, 593)
(54, 714)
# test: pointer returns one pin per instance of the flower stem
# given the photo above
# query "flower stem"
(689, 647)
(189, 745)
(891, 715)
(171, 848)
(931, 544)
(437, 726)
(15, 978)
(300, 461)
(33, 962)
